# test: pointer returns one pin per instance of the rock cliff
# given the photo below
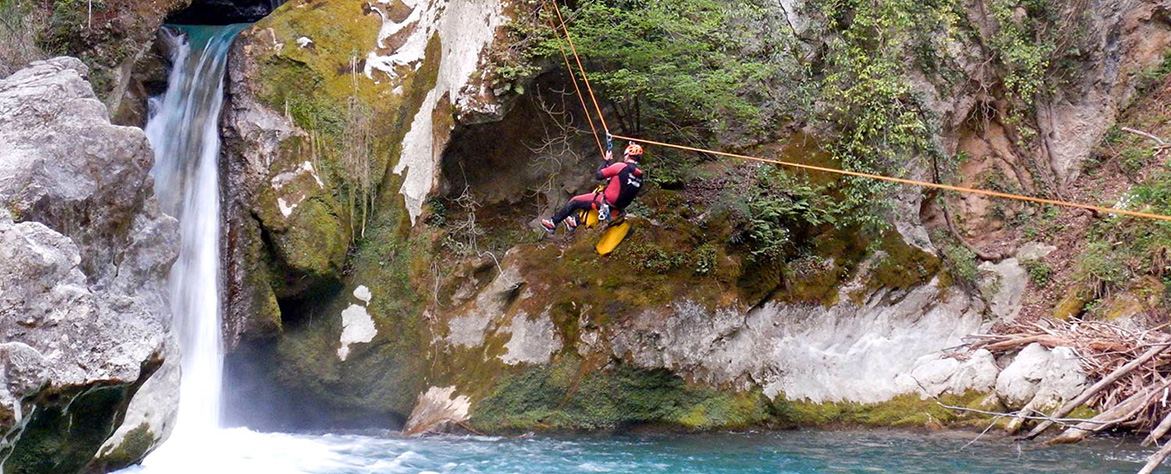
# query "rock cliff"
(85, 254)
(384, 188)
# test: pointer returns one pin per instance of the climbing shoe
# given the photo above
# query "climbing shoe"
(603, 212)
(549, 226)
(571, 223)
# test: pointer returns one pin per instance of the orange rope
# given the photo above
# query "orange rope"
(584, 76)
(906, 181)
(584, 107)
(911, 182)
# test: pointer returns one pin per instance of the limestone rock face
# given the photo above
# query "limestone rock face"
(84, 254)
(1005, 284)
(1117, 41)
(337, 117)
(845, 352)
(1040, 378)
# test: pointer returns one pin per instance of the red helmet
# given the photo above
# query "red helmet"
(634, 149)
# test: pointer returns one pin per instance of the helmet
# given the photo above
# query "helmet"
(634, 150)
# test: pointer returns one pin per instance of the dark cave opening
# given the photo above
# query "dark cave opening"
(223, 12)
(518, 168)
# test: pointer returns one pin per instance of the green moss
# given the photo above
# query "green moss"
(133, 449)
(570, 396)
(65, 431)
(903, 265)
(312, 244)
(1082, 413)
(380, 379)
(903, 411)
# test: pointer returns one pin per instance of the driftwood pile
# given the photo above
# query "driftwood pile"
(1132, 370)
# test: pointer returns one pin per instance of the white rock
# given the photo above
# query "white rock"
(1017, 384)
(1034, 251)
(357, 327)
(1006, 282)
(977, 373)
(842, 353)
(363, 293)
(1064, 379)
(934, 377)
(1038, 373)
(83, 300)
(533, 341)
(435, 408)
(465, 28)
(470, 328)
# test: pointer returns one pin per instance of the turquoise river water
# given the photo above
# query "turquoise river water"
(240, 451)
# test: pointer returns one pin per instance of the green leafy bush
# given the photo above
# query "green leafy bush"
(1100, 269)
(780, 203)
(1039, 272)
(961, 262)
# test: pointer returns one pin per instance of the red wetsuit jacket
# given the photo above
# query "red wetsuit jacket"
(625, 183)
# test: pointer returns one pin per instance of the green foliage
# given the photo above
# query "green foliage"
(1099, 269)
(1132, 159)
(1125, 247)
(706, 259)
(1023, 56)
(867, 92)
(777, 204)
(1039, 271)
(19, 24)
(961, 262)
(509, 66)
(704, 64)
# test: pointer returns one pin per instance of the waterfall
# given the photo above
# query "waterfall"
(184, 131)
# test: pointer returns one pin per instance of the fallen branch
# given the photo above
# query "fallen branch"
(1116, 414)
(1141, 133)
(1156, 459)
(1094, 389)
(1043, 339)
(1159, 431)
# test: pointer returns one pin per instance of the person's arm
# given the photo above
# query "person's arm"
(606, 172)
(601, 166)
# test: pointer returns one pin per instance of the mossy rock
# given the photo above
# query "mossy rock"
(907, 411)
(133, 449)
(65, 430)
(572, 395)
(1072, 304)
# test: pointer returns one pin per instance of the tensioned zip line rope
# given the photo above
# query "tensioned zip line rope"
(585, 77)
(584, 107)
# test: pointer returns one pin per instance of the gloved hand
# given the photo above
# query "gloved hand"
(609, 155)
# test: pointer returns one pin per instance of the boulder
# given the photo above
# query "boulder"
(437, 409)
(935, 375)
(84, 255)
(1040, 378)
(1003, 284)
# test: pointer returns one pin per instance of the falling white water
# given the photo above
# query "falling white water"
(184, 131)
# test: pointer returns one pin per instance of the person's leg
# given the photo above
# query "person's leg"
(584, 201)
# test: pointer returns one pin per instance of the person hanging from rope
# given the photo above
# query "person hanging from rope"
(625, 183)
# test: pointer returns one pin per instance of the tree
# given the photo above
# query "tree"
(684, 66)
